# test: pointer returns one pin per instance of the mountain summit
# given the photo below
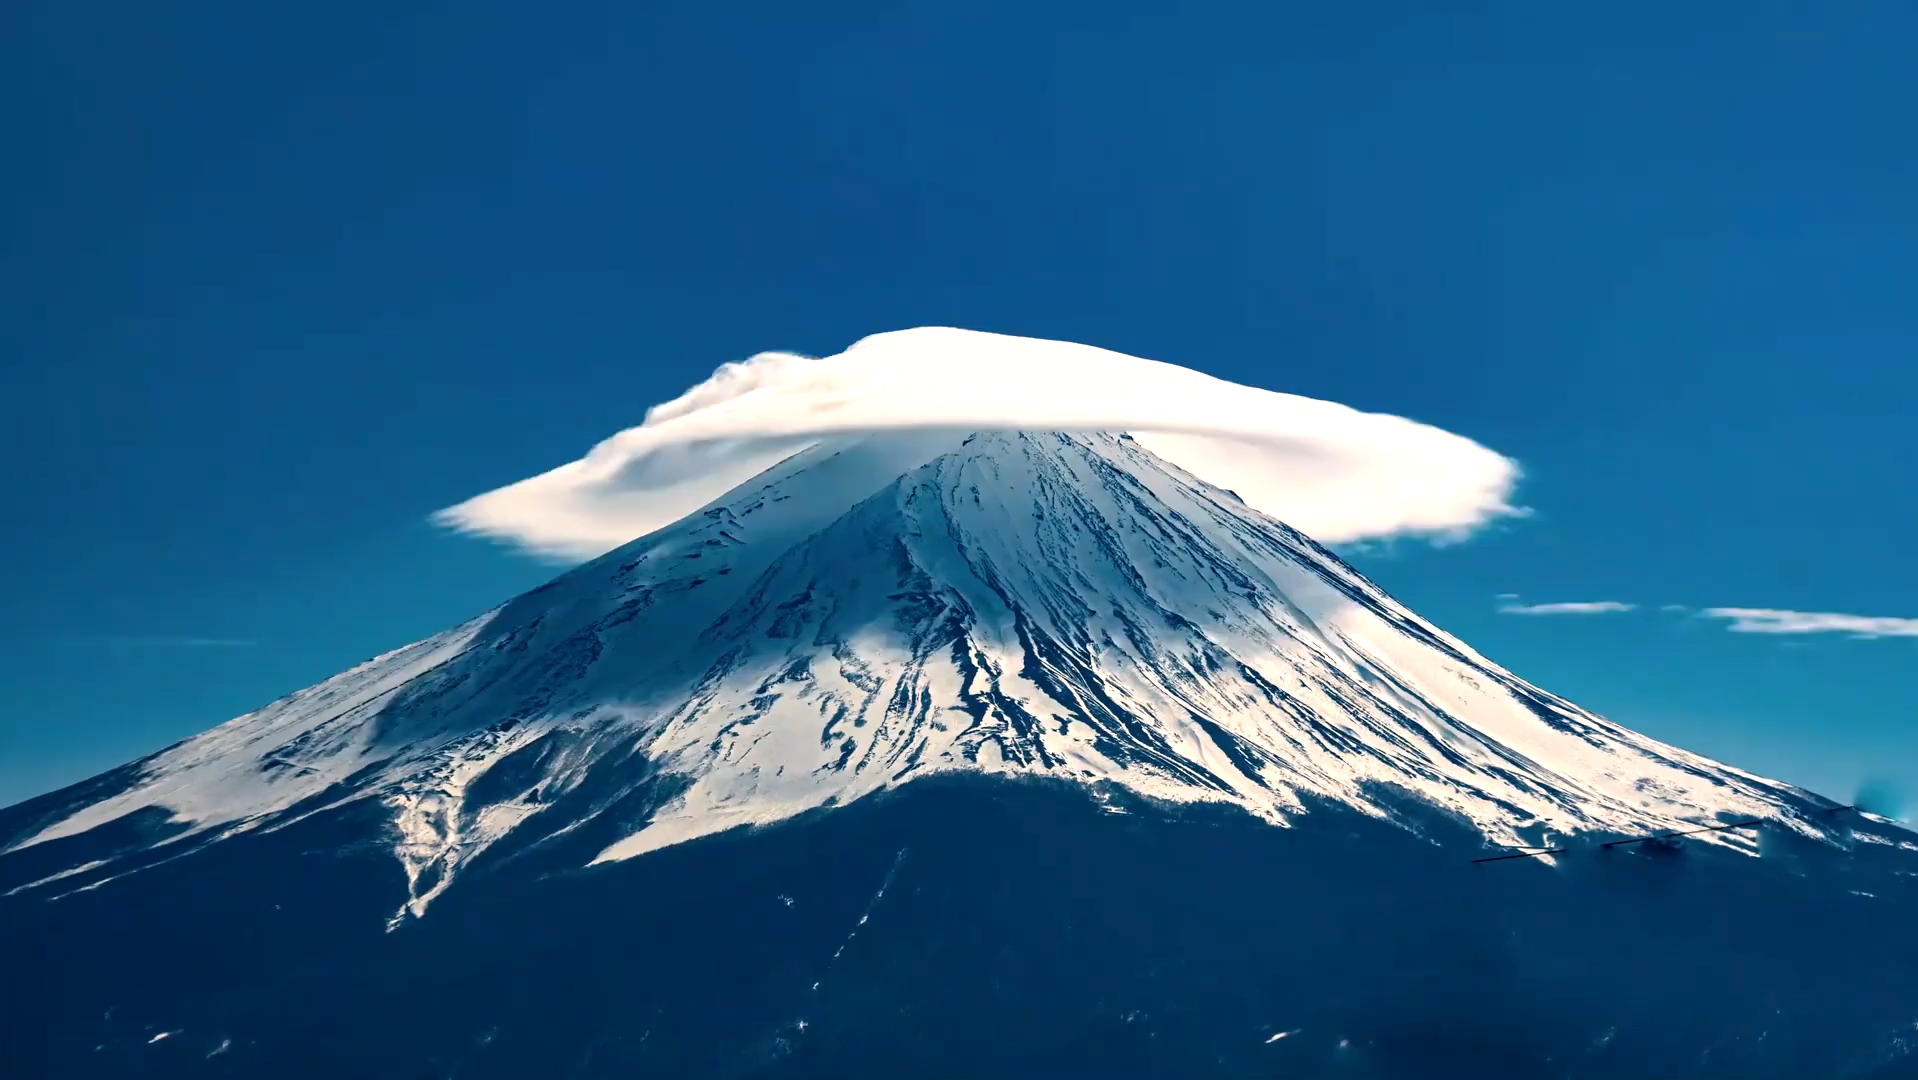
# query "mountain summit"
(939, 612)
(889, 607)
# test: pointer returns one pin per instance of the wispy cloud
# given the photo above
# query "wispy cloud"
(1777, 621)
(159, 641)
(1335, 473)
(1739, 620)
(1568, 607)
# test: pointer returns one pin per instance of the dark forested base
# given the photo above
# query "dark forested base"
(973, 927)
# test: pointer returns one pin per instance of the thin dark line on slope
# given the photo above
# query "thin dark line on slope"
(1522, 855)
(1684, 832)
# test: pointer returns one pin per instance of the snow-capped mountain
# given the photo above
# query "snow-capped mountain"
(884, 608)
(856, 650)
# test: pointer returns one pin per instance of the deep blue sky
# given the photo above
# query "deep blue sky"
(281, 280)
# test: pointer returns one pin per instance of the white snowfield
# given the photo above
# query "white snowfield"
(879, 608)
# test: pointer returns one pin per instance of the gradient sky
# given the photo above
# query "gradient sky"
(280, 283)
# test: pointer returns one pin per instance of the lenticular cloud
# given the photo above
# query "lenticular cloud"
(1333, 472)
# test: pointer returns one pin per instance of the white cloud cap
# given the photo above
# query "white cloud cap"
(1333, 472)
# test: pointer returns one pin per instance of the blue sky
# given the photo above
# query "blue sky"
(282, 283)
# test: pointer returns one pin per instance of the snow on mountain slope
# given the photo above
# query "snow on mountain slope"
(1075, 606)
(879, 608)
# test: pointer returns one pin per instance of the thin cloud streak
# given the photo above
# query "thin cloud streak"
(1780, 621)
(1569, 607)
(1739, 620)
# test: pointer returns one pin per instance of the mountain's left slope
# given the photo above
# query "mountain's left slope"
(1035, 659)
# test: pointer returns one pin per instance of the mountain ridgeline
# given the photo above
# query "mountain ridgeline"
(955, 753)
